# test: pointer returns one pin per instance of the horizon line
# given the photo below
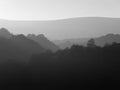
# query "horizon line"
(59, 18)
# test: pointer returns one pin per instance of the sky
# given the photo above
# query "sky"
(57, 9)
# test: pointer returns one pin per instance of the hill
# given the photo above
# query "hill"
(82, 27)
(99, 41)
(107, 39)
(43, 41)
(17, 47)
(67, 43)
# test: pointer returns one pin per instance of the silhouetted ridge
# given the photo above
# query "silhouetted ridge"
(107, 39)
(41, 36)
(29, 45)
(99, 41)
(17, 47)
(68, 43)
(5, 33)
(43, 41)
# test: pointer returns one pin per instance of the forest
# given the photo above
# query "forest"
(83, 67)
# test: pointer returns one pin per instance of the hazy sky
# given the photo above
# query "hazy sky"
(57, 9)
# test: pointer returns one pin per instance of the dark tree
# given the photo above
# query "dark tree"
(91, 43)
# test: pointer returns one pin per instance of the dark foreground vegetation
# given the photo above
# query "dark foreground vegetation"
(75, 68)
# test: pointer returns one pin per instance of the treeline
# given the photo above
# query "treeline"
(78, 67)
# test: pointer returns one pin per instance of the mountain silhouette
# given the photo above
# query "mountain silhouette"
(28, 45)
(67, 43)
(17, 47)
(44, 42)
(5, 33)
(99, 41)
(107, 39)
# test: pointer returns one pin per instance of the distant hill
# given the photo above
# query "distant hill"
(44, 42)
(82, 27)
(99, 41)
(107, 39)
(67, 43)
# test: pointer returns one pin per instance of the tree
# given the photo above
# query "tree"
(91, 43)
